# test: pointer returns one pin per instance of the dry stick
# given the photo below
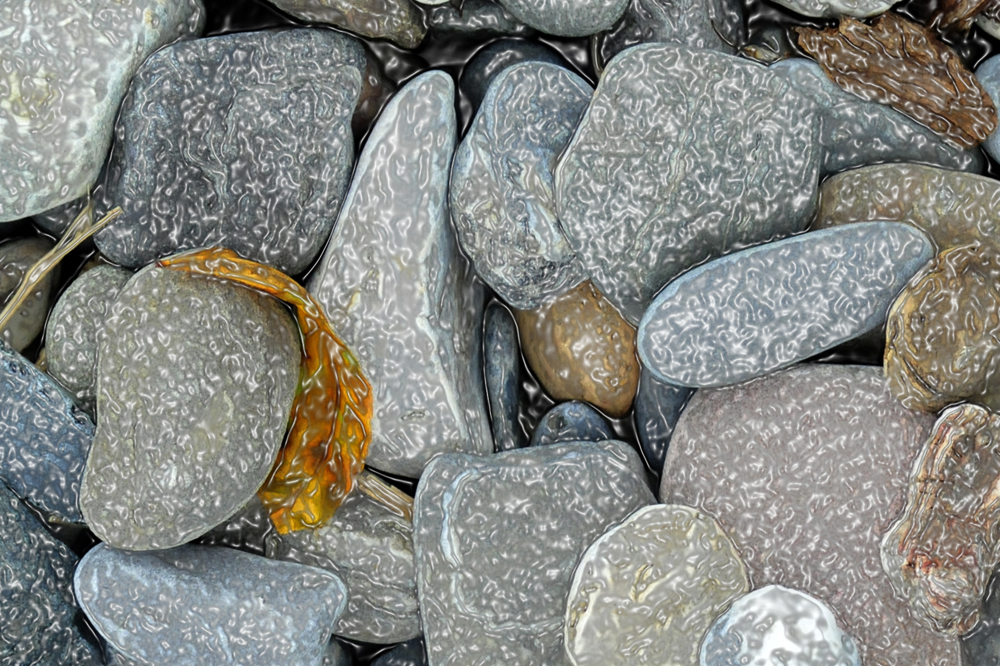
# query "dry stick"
(388, 496)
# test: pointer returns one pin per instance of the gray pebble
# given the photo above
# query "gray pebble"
(398, 21)
(248, 530)
(489, 61)
(657, 408)
(336, 655)
(410, 653)
(502, 358)
(572, 422)
(16, 258)
(837, 8)
(567, 18)
(981, 646)
(988, 75)
(477, 19)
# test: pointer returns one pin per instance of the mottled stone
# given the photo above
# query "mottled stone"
(397, 290)
(981, 646)
(805, 470)
(567, 18)
(410, 653)
(198, 605)
(836, 8)
(242, 140)
(502, 358)
(196, 379)
(497, 539)
(16, 258)
(765, 308)
(643, 192)
(572, 422)
(502, 182)
(248, 530)
(658, 406)
(648, 589)
(776, 625)
(67, 66)
(477, 19)
(398, 21)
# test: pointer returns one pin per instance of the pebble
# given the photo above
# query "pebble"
(410, 653)
(567, 18)
(477, 19)
(195, 605)
(489, 61)
(643, 192)
(988, 75)
(16, 258)
(398, 292)
(755, 311)
(497, 539)
(247, 530)
(502, 182)
(572, 422)
(647, 590)
(68, 64)
(658, 406)
(502, 358)
(196, 379)
(981, 646)
(336, 655)
(250, 137)
(805, 470)
(837, 8)
(398, 21)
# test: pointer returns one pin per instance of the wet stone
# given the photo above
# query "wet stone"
(502, 183)
(477, 19)
(644, 193)
(398, 291)
(196, 379)
(658, 406)
(982, 645)
(648, 589)
(805, 470)
(497, 539)
(16, 258)
(410, 653)
(765, 308)
(242, 140)
(502, 358)
(398, 21)
(988, 75)
(572, 422)
(192, 605)
(567, 18)
(835, 8)
(491, 60)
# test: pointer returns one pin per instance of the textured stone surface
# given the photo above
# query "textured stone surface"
(75, 327)
(567, 18)
(371, 550)
(502, 183)
(242, 140)
(198, 605)
(247, 530)
(644, 192)
(805, 470)
(834, 8)
(647, 590)
(398, 21)
(981, 647)
(572, 422)
(336, 655)
(195, 383)
(410, 653)
(397, 290)
(67, 66)
(477, 19)
(658, 406)
(497, 539)
(492, 59)
(502, 359)
(988, 75)
(16, 258)
(761, 309)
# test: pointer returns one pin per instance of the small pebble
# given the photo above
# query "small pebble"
(566, 18)
(502, 357)
(658, 406)
(572, 422)
(398, 21)
(494, 58)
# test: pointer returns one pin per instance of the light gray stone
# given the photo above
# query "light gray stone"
(567, 18)
(16, 258)
(988, 75)
(836, 8)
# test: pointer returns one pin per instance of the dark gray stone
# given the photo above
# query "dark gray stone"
(572, 422)
(410, 653)
(242, 140)
(502, 357)
(248, 530)
(16, 258)
(477, 19)
(336, 655)
(398, 21)
(644, 190)
(489, 61)
(981, 646)
(567, 18)
(658, 406)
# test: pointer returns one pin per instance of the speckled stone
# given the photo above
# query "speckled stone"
(75, 327)
(572, 422)
(658, 406)
(371, 550)
(567, 18)
(836, 8)
(643, 192)
(765, 308)
(805, 470)
(196, 379)
(16, 258)
(398, 21)
(981, 646)
(410, 653)
(67, 67)
(502, 358)
(242, 140)
(477, 19)
(502, 182)
(198, 605)
(647, 590)
(397, 290)
(492, 59)
(497, 539)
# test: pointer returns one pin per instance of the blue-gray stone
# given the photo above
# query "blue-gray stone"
(572, 422)
(410, 653)
(16, 259)
(988, 75)
(242, 140)
(198, 605)
(567, 18)
(502, 357)
(502, 183)
(657, 408)
(765, 308)
(496, 541)
(477, 19)
(398, 21)
(489, 61)
(247, 530)
(644, 191)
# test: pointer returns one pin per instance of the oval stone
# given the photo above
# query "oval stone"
(502, 359)
(658, 406)
(572, 422)
(565, 18)
(494, 58)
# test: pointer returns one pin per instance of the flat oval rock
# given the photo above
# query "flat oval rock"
(647, 590)
(16, 258)
(567, 18)
(502, 359)
(762, 309)
(835, 8)
(572, 422)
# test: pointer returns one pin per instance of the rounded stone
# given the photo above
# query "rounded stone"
(478, 74)
(658, 406)
(567, 18)
(988, 75)
(398, 21)
(410, 653)
(16, 258)
(572, 422)
(837, 8)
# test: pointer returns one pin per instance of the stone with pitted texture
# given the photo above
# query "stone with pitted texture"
(658, 406)
(16, 258)
(567, 18)
(398, 21)
(502, 359)
(572, 422)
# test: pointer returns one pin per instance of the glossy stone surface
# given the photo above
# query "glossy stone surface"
(502, 182)
(982, 645)
(492, 59)
(16, 258)
(371, 550)
(658, 406)
(193, 605)
(242, 140)
(805, 470)
(644, 193)
(398, 292)
(67, 67)
(648, 589)
(765, 308)
(496, 541)
(247, 530)
(835, 8)
(567, 18)
(502, 358)
(477, 19)
(988, 75)
(398, 21)
(336, 655)
(410, 653)
(572, 422)
(195, 383)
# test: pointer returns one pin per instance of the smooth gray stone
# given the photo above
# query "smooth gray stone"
(502, 183)
(38, 620)
(242, 140)
(196, 378)
(497, 539)
(567, 18)
(477, 19)
(645, 190)
(67, 66)
(44, 438)
(572, 422)
(398, 21)
(16, 258)
(199, 605)
(656, 409)
(489, 61)
(410, 653)
(248, 530)
(755, 311)
(371, 550)
(837, 8)
(988, 75)
(502, 358)
(400, 294)
(857, 133)
(981, 646)
(75, 327)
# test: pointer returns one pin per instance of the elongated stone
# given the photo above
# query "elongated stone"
(502, 357)
(571, 422)
(398, 21)
(16, 258)
(765, 308)
(494, 58)
(397, 290)
(643, 192)
(567, 18)
(658, 406)
(496, 541)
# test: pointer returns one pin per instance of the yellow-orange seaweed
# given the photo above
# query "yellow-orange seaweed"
(330, 429)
